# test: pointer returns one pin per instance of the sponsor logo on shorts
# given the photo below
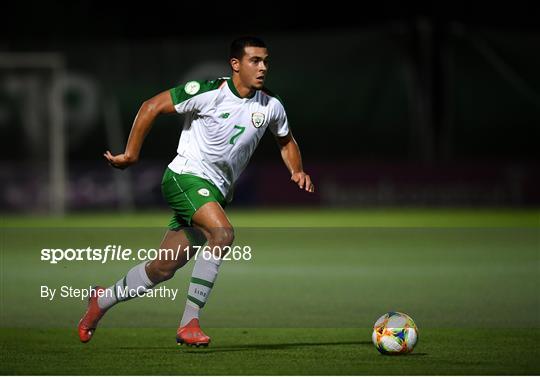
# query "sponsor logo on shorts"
(257, 119)
(204, 192)
(192, 87)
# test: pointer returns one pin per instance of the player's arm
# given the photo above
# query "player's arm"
(148, 112)
(290, 153)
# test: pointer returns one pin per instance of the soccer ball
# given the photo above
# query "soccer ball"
(395, 333)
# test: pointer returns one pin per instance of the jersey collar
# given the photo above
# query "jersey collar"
(235, 92)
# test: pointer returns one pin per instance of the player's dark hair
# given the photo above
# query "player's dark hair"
(238, 45)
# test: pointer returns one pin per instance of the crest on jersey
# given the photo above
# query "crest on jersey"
(204, 192)
(257, 119)
(192, 87)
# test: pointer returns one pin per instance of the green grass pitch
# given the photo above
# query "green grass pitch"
(303, 305)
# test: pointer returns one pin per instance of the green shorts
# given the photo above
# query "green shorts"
(185, 194)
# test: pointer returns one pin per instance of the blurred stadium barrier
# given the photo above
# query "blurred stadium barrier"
(267, 184)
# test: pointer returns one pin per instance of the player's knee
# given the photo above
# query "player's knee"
(222, 236)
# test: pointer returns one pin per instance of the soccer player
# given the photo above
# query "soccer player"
(224, 121)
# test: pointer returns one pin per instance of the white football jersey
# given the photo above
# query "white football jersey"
(222, 130)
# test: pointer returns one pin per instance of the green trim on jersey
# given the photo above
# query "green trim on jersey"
(264, 89)
(189, 90)
(235, 92)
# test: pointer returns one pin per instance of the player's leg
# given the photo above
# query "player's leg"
(213, 222)
(148, 274)
(180, 243)
(137, 281)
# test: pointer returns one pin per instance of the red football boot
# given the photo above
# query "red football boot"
(88, 323)
(192, 335)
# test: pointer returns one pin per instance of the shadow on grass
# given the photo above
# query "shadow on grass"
(247, 347)
(269, 347)
(414, 354)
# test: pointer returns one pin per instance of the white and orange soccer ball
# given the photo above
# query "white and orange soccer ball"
(395, 333)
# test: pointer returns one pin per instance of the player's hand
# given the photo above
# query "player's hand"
(303, 181)
(120, 161)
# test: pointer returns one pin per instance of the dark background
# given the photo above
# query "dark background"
(391, 103)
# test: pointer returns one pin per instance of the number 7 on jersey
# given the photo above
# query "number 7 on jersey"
(235, 137)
